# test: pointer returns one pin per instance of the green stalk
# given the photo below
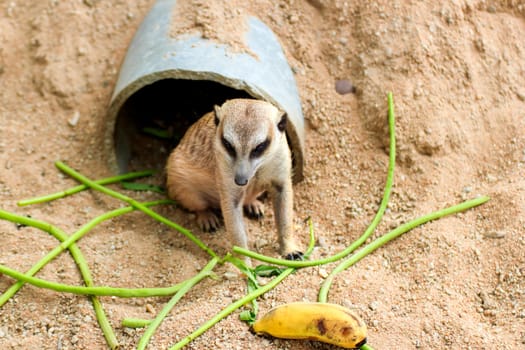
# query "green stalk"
(135, 323)
(369, 248)
(81, 178)
(152, 327)
(232, 307)
(69, 243)
(56, 232)
(377, 218)
(77, 255)
(104, 324)
(76, 189)
(91, 290)
(244, 300)
(100, 314)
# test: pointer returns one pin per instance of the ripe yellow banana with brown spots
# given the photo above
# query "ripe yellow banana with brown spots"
(324, 322)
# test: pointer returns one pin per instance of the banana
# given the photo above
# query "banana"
(324, 322)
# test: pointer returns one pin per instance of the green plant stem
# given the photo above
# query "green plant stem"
(81, 178)
(135, 322)
(91, 290)
(68, 242)
(244, 300)
(152, 327)
(56, 232)
(369, 248)
(377, 218)
(100, 314)
(232, 307)
(80, 188)
(104, 323)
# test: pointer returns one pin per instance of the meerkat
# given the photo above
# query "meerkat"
(227, 160)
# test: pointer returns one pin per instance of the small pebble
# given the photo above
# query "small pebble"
(321, 242)
(494, 234)
(373, 305)
(491, 9)
(150, 309)
(230, 275)
(344, 86)
(491, 178)
(73, 121)
(489, 313)
(260, 243)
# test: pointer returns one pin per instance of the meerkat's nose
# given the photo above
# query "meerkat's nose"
(242, 172)
(241, 180)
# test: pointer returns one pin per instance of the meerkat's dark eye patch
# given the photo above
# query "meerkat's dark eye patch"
(228, 147)
(259, 149)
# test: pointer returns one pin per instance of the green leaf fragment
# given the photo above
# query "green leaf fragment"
(137, 186)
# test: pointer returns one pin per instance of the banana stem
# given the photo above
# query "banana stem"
(369, 248)
(79, 188)
(81, 178)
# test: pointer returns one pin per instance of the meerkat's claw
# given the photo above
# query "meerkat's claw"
(208, 221)
(254, 210)
(296, 256)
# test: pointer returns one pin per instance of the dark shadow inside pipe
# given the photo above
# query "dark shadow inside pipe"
(153, 120)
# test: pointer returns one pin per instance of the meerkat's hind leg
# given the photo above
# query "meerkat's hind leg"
(208, 220)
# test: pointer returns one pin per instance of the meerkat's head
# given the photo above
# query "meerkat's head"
(248, 134)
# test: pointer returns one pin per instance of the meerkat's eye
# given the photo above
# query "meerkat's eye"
(282, 123)
(259, 149)
(228, 147)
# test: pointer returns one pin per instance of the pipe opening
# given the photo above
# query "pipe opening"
(153, 120)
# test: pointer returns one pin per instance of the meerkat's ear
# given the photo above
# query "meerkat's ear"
(282, 122)
(216, 113)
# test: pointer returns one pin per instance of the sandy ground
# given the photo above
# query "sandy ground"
(456, 70)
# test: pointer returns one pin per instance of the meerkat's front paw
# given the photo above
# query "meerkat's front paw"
(290, 250)
(254, 210)
(296, 255)
(208, 221)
